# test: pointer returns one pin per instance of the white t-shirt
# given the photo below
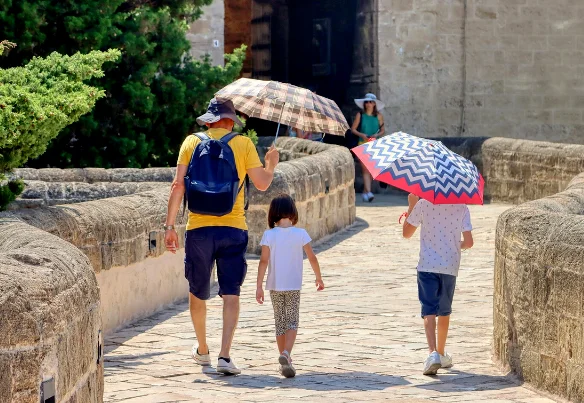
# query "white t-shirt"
(442, 225)
(286, 255)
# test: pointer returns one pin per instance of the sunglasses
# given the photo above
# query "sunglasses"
(369, 102)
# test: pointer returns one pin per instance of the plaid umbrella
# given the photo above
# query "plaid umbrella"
(423, 167)
(286, 104)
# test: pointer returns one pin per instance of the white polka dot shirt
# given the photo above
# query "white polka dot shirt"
(442, 226)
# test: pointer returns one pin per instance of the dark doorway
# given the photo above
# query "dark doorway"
(321, 45)
(309, 43)
(305, 42)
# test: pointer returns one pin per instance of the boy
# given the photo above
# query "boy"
(440, 247)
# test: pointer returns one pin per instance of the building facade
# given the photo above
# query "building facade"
(511, 68)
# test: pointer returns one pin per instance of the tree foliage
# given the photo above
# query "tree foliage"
(38, 101)
(154, 93)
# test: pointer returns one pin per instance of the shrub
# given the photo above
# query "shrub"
(39, 100)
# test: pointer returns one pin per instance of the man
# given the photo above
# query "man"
(221, 239)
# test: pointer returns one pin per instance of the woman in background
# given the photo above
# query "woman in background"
(368, 125)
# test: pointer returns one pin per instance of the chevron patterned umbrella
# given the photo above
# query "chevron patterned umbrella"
(285, 104)
(423, 167)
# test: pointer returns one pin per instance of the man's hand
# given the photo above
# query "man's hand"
(412, 200)
(171, 240)
(272, 158)
(260, 295)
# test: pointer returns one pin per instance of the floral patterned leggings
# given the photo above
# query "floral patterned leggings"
(286, 310)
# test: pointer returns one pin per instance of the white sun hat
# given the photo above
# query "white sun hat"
(370, 97)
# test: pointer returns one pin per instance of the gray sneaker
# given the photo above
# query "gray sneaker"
(432, 364)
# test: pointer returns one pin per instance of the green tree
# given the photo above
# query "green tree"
(153, 95)
(38, 101)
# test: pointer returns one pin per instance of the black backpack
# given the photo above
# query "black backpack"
(212, 183)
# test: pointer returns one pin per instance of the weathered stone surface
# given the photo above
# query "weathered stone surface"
(539, 291)
(111, 232)
(519, 170)
(515, 171)
(492, 68)
(317, 177)
(359, 340)
(96, 175)
(38, 193)
(49, 315)
(206, 34)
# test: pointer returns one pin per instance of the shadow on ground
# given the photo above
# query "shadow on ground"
(447, 382)
(318, 381)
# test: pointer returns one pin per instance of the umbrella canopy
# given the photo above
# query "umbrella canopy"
(286, 104)
(423, 167)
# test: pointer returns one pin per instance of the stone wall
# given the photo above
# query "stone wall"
(539, 292)
(321, 183)
(51, 186)
(515, 171)
(122, 236)
(207, 33)
(483, 68)
(49, 317)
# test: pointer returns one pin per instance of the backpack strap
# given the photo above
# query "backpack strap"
(202, 136)
(226, 139)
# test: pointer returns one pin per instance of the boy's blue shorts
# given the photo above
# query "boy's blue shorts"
(207, 245)
(436, 291)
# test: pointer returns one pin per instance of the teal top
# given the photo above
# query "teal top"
(369, 125)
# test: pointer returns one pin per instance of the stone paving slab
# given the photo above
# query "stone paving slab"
(359, 340)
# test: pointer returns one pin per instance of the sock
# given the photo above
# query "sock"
(226, 359)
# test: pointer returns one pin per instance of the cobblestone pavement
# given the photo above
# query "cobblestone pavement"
(359, 340)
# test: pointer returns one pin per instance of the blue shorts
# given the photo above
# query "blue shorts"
(436, 291)
(224, 245)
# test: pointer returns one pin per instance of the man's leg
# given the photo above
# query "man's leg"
(230, 319)
(443, 323)
(430, 328)
(198, 308)
(231, 271)
(198, 268)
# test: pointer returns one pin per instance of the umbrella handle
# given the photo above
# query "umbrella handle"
(279, 122)
(277, 131)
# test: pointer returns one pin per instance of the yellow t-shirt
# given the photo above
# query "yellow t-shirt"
(246, 157)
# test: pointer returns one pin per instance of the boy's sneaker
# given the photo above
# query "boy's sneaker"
(371, 196)
(432, 364)
(201, 359)
(226, 367)
(446, 360)
(366, 197)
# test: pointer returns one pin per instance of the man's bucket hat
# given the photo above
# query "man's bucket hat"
(218, 110)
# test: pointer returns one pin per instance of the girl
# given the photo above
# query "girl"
(368, 125)
(282, 247)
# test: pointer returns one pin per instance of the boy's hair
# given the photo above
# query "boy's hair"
(282, 206)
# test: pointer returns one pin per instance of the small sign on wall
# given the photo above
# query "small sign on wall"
(215, 43)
